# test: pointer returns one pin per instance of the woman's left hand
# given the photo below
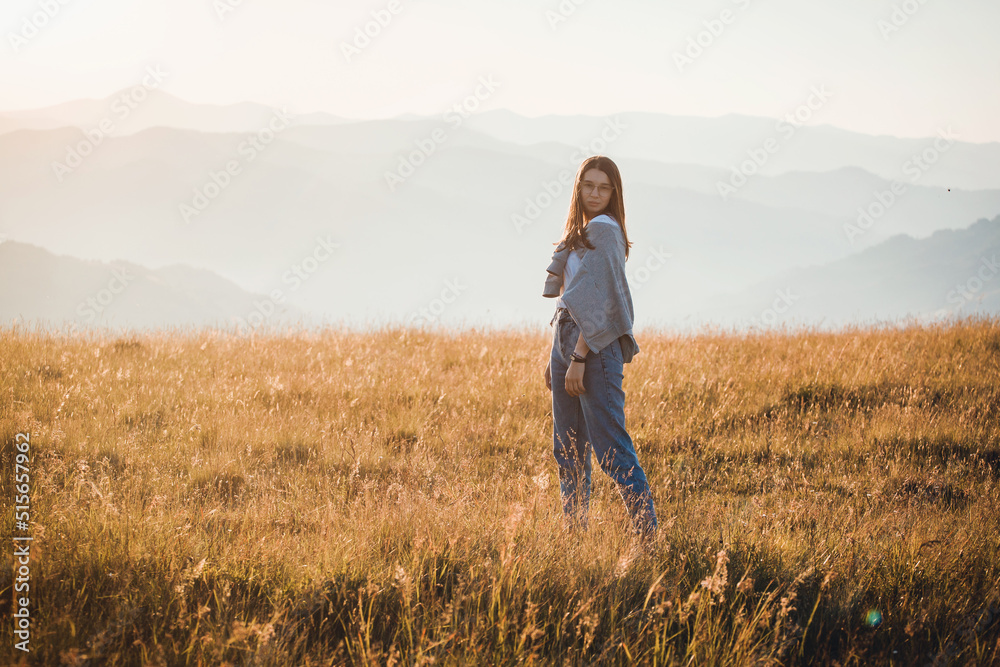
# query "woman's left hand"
(574, 379)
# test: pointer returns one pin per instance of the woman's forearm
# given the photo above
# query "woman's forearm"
(581, 346)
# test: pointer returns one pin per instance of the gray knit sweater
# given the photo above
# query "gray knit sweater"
(598, 298)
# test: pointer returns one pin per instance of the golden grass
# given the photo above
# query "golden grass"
(333, 497)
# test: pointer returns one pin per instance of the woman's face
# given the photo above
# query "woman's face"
(595, 192)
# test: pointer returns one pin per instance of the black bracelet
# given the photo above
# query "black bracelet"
(577, 357)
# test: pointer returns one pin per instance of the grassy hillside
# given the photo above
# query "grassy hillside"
(327, 497)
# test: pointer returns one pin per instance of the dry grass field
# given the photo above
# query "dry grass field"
(324, 497)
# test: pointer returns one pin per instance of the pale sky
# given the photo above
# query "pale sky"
(939, 68)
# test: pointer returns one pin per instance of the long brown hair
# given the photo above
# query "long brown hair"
(574, 233)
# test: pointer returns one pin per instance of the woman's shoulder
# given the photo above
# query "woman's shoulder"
(604, 217)
(610, 228)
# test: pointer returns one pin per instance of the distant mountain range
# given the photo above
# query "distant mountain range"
(950, 274)
(40, 288)
(416, 207)
(721, 142)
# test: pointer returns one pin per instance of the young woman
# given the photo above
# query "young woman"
(593, 340)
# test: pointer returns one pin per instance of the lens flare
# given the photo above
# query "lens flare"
(873, 618)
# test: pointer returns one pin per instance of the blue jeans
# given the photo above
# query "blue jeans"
(594, 420)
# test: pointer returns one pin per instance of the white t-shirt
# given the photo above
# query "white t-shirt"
(572, 264)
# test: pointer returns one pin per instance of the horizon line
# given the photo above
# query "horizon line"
(416, 116)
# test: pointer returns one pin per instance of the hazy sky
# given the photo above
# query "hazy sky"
(934, 66)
